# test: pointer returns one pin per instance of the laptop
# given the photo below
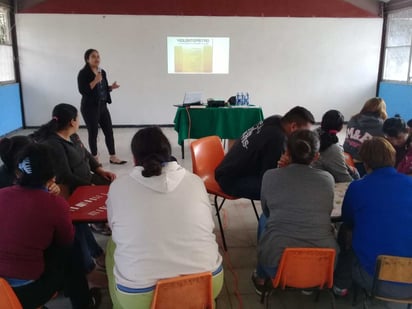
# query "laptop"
(191, 99)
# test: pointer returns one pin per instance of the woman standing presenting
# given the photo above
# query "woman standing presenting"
(95, 91)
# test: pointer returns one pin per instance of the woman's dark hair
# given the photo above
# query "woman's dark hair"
(35, 165)
(332, 123)
(62, 115)
(151, 148)
(87, 54)
(392, 127)
(10, 147)
(303, 146)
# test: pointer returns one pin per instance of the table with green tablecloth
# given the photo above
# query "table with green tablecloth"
(225, 122)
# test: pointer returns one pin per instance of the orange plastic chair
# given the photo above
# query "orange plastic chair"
(349, 160)
(191, 292)
(8, 300)
(306, 269)
(207, 153)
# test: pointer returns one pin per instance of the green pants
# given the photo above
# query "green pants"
(141, 300)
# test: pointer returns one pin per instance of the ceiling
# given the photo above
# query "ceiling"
(264, 8)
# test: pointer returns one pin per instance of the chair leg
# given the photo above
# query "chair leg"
(254, 208)
(332, 297)
(317, 295)
(220, 222)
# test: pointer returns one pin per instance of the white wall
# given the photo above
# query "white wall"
(319, 63)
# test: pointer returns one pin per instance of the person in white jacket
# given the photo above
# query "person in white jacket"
(161, 223)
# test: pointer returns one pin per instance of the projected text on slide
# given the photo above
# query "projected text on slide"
(198, 55)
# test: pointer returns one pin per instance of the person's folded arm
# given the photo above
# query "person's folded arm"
(271, 155)
(63, 171)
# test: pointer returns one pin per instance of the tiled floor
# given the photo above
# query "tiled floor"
(240, 230)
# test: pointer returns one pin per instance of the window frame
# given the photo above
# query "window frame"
(10, 43)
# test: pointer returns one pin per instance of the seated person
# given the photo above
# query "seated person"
(9, 147)
(36, 230)
(397, 132)
(259, 149)
(161, 223)
(377, 208)
(75, 166)
(363, 126)
(331, 157)
(297, 201)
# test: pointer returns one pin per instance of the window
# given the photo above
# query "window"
(398, 51)
(6, 48)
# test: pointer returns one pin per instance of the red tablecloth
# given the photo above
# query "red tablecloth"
(88, 204)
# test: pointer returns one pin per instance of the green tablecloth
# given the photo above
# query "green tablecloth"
(226, 122)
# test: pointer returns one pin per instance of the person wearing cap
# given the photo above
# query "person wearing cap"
(397, 132)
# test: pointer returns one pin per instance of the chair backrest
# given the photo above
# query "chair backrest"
(207, 153)
(190, 292)
(8, 300)
(348, 159)
(394, 269)
(305, 268)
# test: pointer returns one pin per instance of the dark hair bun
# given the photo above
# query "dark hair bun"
(152, 166)
(303, 146)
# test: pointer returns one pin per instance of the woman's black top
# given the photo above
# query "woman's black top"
(73, 163)
(99, 94)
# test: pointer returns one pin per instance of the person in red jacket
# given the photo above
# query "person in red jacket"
(36, 231)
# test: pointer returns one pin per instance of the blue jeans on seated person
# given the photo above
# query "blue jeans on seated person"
(264, 272)
(89, 247)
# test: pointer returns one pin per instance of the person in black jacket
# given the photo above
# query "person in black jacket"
(259, 149)
(95, 90)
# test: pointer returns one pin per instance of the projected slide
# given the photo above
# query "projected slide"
(197, 55)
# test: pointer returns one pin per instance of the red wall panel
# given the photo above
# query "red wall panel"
(268, 8)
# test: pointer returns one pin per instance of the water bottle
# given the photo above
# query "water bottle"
(247, 98)
(238, 99)
(242, 100)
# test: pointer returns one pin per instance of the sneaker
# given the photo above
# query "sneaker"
(339, 292)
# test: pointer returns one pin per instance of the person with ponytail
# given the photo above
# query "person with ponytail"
(297, 201)
(75, 166)
(161, 222)
(36, 229)
(95, 90)
(331, 157)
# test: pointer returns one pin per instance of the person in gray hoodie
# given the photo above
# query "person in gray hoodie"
(363, 126)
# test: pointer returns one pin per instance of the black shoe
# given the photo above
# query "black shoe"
(260, 288)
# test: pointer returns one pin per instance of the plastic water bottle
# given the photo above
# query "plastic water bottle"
(243, 98)
(238, 99)
(247, 98)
